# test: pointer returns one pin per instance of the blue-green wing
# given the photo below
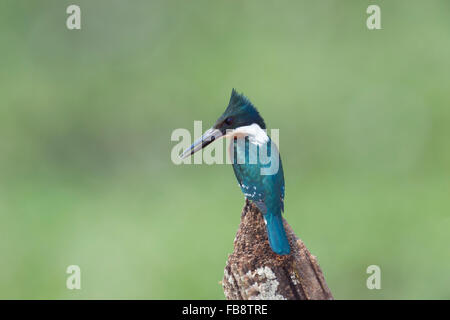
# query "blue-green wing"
(259, 188)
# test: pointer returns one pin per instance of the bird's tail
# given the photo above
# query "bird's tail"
(277, 235)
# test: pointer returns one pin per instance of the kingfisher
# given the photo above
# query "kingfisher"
(260, 180)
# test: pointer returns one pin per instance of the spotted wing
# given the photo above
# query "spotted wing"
(259, 188)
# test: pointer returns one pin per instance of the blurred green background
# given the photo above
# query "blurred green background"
(86, 119)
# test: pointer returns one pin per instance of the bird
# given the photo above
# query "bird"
(250, 143)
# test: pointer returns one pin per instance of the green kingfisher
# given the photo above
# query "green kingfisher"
(250, 150)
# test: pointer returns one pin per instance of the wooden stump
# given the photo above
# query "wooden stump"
(255, 272)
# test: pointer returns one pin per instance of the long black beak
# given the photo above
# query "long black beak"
(208, 137)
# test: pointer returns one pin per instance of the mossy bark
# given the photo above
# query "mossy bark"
(255, 272)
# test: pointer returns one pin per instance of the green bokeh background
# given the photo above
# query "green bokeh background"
(86, 118)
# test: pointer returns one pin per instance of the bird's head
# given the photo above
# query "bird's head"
(239, 114)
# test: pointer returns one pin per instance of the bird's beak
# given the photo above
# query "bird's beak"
(208, 137)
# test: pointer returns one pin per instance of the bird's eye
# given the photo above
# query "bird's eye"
(229, 120)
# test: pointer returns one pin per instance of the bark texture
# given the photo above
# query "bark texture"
(255, 272)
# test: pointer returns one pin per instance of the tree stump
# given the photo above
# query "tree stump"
(255, 272)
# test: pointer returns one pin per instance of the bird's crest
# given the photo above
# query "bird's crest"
(239, 102)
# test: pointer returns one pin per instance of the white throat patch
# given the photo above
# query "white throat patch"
(254, 132)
